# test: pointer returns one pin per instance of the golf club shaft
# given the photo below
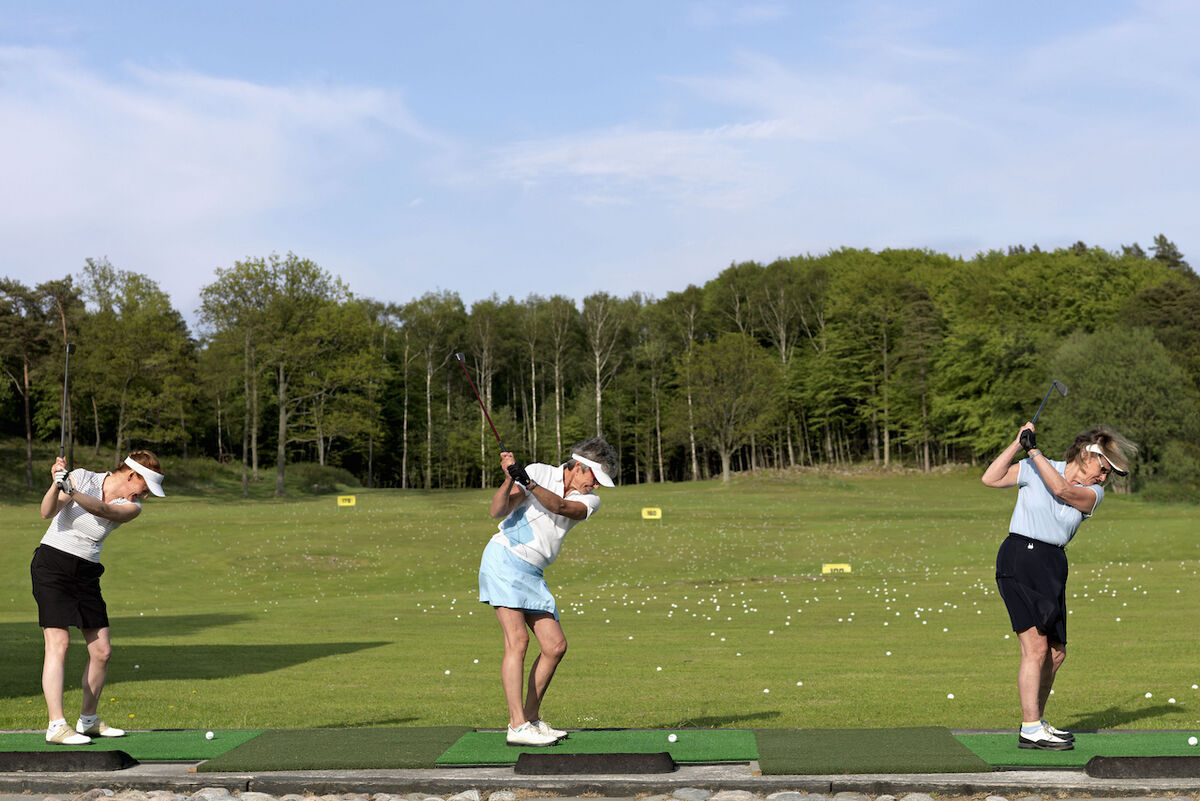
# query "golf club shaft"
(463, 364)
(62, 440)
(1039, 411)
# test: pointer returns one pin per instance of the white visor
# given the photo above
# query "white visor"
(601, 476)
(153, 480)
(1094, 448)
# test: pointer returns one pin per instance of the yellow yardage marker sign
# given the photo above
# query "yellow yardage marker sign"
(651, 513)
(829, 567)
(345, 500)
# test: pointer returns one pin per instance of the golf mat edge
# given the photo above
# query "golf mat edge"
(395, 748)
(919, 749)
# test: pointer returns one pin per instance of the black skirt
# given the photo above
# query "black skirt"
(1032, 578)
(67, 590)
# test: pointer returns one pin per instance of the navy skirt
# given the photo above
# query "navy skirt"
(1032, 578)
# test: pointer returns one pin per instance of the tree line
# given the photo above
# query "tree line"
(896, 358)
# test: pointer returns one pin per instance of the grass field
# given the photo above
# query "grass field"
(298, 613)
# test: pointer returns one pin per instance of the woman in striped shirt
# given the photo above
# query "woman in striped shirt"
(83, 508)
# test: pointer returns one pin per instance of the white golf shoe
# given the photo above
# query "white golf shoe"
(545, 728)
(527, 734)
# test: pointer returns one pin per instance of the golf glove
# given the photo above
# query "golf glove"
(517, 471)
(62, 480)
(1028, 440)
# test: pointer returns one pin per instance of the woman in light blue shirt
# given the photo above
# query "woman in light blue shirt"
(1031, 566)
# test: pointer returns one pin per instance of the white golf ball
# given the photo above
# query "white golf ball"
(672, 738)
(208, 735)
(1191, 741)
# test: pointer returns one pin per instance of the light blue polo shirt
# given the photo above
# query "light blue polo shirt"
(1039, 515)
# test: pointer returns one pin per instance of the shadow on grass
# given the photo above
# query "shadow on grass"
(22, 649)
(1116, 716)
(366, 724)
(716, 721)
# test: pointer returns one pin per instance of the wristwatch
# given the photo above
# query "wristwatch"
(1034, 452)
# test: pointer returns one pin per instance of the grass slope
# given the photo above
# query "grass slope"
(264, 613)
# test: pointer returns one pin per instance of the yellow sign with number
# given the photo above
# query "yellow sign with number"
(346, 500)
(651, 513)
(835, 568)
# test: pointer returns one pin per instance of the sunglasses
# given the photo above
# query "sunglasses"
(1106, 464)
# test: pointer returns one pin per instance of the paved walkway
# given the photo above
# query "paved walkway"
(689, 783)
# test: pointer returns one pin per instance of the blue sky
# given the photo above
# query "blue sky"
(572, 147)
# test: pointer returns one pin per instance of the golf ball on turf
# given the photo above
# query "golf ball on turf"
(208, 735)
(672, 738)
(1191, 741)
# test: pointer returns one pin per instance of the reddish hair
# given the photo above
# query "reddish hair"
(144, 458)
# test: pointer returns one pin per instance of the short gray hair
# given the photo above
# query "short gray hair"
(599, 451)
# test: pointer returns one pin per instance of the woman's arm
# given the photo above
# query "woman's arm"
(116, 512)
(552, 502)
(559, 505)
(54, 499)
(1081, 498)
(1003, 472)
(509, 494)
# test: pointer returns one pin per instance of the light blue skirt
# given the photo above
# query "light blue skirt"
(509, 581)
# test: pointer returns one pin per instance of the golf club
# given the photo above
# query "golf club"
(1062, 390)
(462, 362)
(62, 442)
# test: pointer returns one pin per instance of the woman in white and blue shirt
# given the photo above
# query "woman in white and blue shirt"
(1053, 499)
(537, 505)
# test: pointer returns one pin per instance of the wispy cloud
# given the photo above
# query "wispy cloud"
(720, 13)
(177, 145)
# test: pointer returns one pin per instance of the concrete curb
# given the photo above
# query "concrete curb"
(180, 777)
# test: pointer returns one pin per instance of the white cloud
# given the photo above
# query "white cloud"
(180, 168)
(176, 146)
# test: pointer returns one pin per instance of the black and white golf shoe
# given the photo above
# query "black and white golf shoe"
(1043, 740)
(1059, 733)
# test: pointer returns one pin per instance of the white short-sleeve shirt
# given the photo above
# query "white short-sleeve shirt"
(1039, 515)
(76, 531)
(532, 532)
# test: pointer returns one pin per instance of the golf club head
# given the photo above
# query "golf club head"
(70, 348)
(1056, 385)
(461, 359)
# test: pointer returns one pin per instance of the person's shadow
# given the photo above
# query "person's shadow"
(1117, 716)
(22, 649)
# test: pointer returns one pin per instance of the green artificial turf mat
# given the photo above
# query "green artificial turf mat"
(144, 746)
(927, 749)
(692, 745)
(1001, 750)
(338, 749)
